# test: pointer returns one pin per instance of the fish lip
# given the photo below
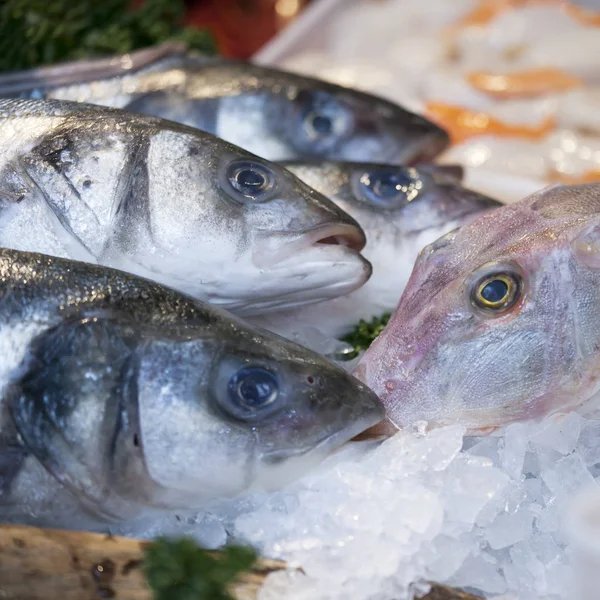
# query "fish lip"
(427, 148)
(345, 235)
(328, 443)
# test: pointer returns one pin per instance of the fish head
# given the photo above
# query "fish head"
(322, 120)
(242, 408)
(268, 240)
(285, 116)
(411, 199)
(400, 208)
(130, 415)
(499, 320)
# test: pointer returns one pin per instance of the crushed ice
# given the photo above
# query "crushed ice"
(377, 519)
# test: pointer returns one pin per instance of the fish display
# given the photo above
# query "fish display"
(401, 210)
(499, 320)
(170, 203)
(120, 396)
(274, 114)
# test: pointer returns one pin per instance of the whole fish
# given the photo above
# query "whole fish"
(171, 203)
(120, 397)
(401, 210)
(500, 320)
(275, 114)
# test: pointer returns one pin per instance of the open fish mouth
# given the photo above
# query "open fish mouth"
(337, 235)
(329, 236)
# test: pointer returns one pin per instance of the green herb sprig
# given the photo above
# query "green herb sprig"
(40, 32)
(365, 333)
(178, 569)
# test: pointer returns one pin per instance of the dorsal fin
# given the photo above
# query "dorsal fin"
(82, 71)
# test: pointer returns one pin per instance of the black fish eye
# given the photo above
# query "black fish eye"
(253, 388)
(497, 292)
(251, 179)
(391, 189)
(319, 124)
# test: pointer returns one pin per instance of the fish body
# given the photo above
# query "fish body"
(275, 114)
(170, 203)
(499, 321)
(401, 210)
(120, 397)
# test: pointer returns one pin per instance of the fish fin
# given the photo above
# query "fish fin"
(67, 406)
(34, 81)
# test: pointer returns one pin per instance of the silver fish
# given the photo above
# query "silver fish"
(121, 397)
(500, 321)
(170, 203)
(275, 114)
(401, 210)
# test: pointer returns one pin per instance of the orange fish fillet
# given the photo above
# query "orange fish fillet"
(534, 82)
(463, 123)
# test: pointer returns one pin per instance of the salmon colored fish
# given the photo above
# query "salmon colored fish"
(463, 123)
(533, 82)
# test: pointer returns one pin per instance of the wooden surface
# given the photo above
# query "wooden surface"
(46, 564)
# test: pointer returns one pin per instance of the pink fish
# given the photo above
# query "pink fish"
(500, 319)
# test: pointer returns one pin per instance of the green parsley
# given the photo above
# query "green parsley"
(41, 32)
(178, 569)
(364, 334)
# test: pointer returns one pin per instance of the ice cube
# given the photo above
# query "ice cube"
(509, 529)
(525, 573)
(560, 434)
(479, 574)
(588, 446)
(513, 451)
(566, 476)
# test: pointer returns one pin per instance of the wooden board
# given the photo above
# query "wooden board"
(48, 564)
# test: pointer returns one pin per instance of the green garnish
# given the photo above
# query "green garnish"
(178, 569)
(364, 334)
(41, 32)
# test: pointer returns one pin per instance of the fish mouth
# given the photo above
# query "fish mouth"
(340, 235)
(276, 469)
(337, 235)
(425, 149)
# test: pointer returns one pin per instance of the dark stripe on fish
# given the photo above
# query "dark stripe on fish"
(131, 217)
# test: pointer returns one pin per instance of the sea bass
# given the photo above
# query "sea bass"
(500, 320)
(277, 115)
(401, 210)
(120, 396)
(171, 203)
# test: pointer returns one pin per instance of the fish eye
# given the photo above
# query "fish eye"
(250, 180)
(318, 124)
(497, 292)
(390, 189)
(251, 390)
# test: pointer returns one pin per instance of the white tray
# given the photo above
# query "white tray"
(302, 34)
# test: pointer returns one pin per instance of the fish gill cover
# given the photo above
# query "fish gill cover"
(37, 32)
